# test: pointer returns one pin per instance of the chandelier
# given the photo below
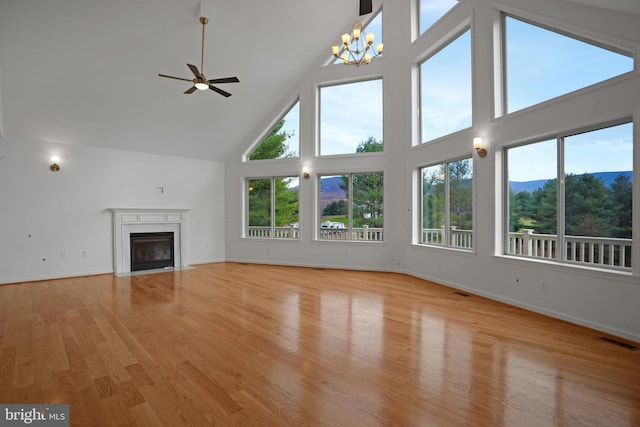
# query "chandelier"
(357, 47)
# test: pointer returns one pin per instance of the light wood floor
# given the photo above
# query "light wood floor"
(240, 345)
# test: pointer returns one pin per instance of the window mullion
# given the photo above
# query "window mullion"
(447, 206)
(350, 210)
(273, 208)
(560, 200)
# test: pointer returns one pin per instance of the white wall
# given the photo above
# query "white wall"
(606, 301)
(46, 215)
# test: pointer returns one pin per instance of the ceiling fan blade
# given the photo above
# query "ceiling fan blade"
(177, 78)
(366, 6)
(195, 71)
(225, 80)
(220, 91)
(190, 90)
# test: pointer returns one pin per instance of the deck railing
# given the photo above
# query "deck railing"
(289, 232)
(363, 233)
(602, 251)
(598, 251)
(457, 238)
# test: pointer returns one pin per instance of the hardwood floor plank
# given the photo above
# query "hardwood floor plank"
(237, 345)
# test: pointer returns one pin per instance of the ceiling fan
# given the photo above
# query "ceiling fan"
(200, 81)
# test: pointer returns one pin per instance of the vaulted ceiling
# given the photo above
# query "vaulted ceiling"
(86, 71)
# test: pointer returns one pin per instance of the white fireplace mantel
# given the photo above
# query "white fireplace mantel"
(127, 221)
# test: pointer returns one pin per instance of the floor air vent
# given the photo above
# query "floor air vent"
(462, 294)
(619, 343)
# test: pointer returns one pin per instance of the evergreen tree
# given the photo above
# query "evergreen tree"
(274, 145)
(337, 207)
(461, 194)
(368, 191)
(587, 206)
(545, 209)
(286, 199)
(621, 198)
(433, 197)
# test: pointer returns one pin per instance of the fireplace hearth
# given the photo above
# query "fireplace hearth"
(151, 251)
(127, 222)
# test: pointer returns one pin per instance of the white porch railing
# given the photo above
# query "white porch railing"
(604, 251)
(289, 232)
(457, 238)
(364, 233)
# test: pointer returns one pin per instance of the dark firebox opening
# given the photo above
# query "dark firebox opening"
(151, 250)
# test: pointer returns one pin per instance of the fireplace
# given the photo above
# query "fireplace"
(149, 222)
(151, 250)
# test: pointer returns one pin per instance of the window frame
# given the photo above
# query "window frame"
(447, 228)
(318, 115)
(501, 95)
(246, 158)
(272, 210)
(434, 51)
(561, 237)
(319, 230)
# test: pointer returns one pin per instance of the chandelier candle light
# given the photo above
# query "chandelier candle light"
(357, 47)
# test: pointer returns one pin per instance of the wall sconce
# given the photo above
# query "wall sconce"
(55, 163)
(305, 172)
(479, 147)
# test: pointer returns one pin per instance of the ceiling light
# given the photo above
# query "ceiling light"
(357, 47)
(201, 85)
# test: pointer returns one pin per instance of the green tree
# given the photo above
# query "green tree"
(545, 210)
(587, 206)
(461, 194)
(368, 194)
(337, 207)
(433, 197)
(274, 145)
(260, 202)
(521, 207)
(286, 199)
(621, 206)
(371, 145)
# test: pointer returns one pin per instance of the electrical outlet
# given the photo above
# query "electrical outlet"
(63, 254)
(85, 253)
(544, 287)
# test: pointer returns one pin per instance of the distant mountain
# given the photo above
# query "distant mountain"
(530, 186)
(330, 189)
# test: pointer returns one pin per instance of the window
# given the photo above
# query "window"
(350, 115)
(273, 207)
(447, 204)
(585, 217)
(283, 140)
(431, 11)
(445, 90)
(352, 207)
(542, 64)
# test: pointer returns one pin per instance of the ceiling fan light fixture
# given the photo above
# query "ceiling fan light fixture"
(200, 82)
(202, 86)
